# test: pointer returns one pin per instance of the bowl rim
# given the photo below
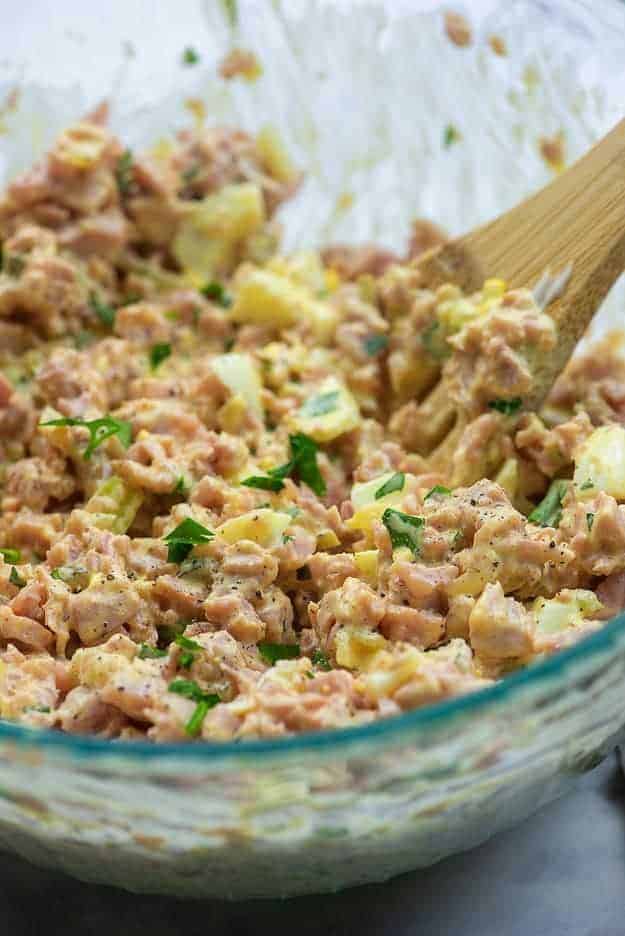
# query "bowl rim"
(407, 726)
(404, 727)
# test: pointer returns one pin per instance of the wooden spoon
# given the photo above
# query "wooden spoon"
(574, 226)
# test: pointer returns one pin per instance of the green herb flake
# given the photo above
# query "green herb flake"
(287, 538)
(458, 538)
(204, 702)
(194, 726)
(321, 404)
(104, 311)
(450, 135)
(373, 344)
(130, 299)
(16, 579)
(304, 452)
(216, 293)
(99, 430)
(230, 12)
(190, 56)
(434, 341)
(167, 633)
(83, 339)
(188, 175)
(549, 512)
(181, 541)
(263, 483)
(302, 466)
(272, 652)
(403, 529)
(181, 486)
(590, 519)
(320, 659)
(507, 407)
(396, 483)
(123, 172)
(158, 354)
(146, 652)
(228, 343)
(187, 688)
(11, 555)
(190, 649)
(587, 485)
(15, 265)
(437, 489)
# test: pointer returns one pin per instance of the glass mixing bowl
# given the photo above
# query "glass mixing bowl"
(362, 92)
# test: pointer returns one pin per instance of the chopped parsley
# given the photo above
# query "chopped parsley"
(304, 462)
(104, 311)
(10, 555)
(403, 529)
(450, 135)
(83, 339)
(434, 341)
(320, 659)
(549, 512)
(190, 649)
(194, 726)
(264, 482)
(204, 702)
(373, 344)
(228, 343)
(15, 265)
(272, 652)
(302, 465)
(395, 483)
(146, 652)
(188, 175)
(587, 485)
(230, 12)
(437, 489)
(321, 404)
(507, 407)
(159, 353)
(287, 538)
(181, 486)
(190, 56)
(123, 172)
(181, 541)
(130, 299)
(99, 430)
(590, 519)
(458, 538)
(167, 633)
(16, 579)
(75, 577)
(216, 292)
(62, 573)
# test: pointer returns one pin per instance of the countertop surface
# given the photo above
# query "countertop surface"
(561, 872)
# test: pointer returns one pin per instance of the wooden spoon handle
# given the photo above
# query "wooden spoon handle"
(576, 221)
